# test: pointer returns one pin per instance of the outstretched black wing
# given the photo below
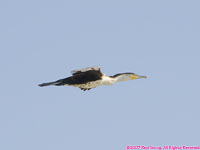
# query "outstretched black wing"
(86, 75)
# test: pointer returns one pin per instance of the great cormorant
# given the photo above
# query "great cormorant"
(92, 77)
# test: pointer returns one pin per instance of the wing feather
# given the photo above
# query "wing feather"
(97, 69)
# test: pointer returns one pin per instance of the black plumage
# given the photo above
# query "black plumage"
(77, 78)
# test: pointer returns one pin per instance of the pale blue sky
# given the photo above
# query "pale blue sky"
(43, 40)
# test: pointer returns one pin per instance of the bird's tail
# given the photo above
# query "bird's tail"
(66, 81)
(50, 83)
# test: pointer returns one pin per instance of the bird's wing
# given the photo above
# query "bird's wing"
(97, 69)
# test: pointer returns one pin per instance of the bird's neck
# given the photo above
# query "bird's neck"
(120, 78)
(109, 80)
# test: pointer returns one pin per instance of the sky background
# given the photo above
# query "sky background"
(43, 40)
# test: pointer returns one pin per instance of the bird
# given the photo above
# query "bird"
(91, 77)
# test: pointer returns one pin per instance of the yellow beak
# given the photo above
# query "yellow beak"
(135, 76)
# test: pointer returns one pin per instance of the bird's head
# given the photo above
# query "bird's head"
(127, 76)
(136, 76)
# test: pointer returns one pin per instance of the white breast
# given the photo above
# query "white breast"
(106, 80)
